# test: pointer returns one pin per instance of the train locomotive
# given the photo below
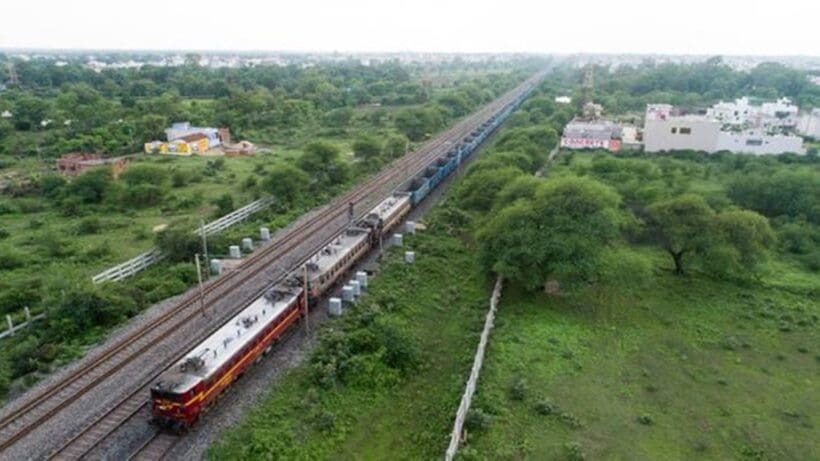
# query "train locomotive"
(185, 390)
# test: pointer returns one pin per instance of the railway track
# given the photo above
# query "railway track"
(28, 416)
(155, 448)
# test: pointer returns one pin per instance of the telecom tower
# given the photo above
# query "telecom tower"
(13, 79)
(590, 110)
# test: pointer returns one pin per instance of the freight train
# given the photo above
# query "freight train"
(185, 390)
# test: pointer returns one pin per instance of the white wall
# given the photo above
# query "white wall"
(759, 144)
(665, 135)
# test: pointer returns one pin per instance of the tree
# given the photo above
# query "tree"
(418, 123)
(683, 227)
(224, 204)
(286, 183)
(745, 240)
(91, 187)
(339, 118)
(321, 160)
(396, 146)
(561, 231)
(367, 148)
(478, 190)
(178, 244)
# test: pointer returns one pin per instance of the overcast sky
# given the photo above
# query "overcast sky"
(781, 27)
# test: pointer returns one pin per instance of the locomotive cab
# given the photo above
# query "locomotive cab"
(169, 409)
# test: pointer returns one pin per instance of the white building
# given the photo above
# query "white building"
(781, 114)
(758, 143)
(809, 124)
(666, 128)
(563, 99)
(591, 134)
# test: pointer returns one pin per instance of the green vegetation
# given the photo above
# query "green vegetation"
(660, 367)
(629, 353)
(326, 128)
(365, 392)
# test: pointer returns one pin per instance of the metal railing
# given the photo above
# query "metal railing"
(141, 262)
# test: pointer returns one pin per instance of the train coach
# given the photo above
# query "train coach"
(185, 390)
(333, 261)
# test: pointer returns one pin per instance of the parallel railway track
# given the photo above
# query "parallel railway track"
(25, 418)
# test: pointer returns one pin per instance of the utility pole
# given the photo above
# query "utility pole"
(205, 245)
(306, 300)
(199, 279)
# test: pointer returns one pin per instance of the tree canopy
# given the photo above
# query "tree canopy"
(558, 233)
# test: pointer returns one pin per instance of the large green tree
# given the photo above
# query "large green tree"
(683, 227)
(561, 232)
(286, 183)
(321, 160)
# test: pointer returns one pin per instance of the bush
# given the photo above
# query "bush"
(367, 148)
(477, 420)
(52, 185)
(90, 225)
(224, 204)
(142, 195)
(10, 260)
(179, 178)
(178, 244)
(91, 187)
(574, 451)
(518, 390)
(546, 408)
(144, 174)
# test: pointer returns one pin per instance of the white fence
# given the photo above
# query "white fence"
(472, 382)
(130, 267)
(237, 215)
(13, 328)
(140, 262)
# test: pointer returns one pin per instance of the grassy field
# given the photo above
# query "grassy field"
(668, 368)
(439, 303)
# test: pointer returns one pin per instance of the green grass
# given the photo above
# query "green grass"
(719, 371)
(439, 302)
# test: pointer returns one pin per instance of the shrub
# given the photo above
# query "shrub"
(144, 174)
(518, 390)
(546, 408)
(645, 419)
(89, 225)
(10, 260)
(142, 195)
(179, 178)
(574, 451)
(52, 185)
(477, 420)
(224, 204)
